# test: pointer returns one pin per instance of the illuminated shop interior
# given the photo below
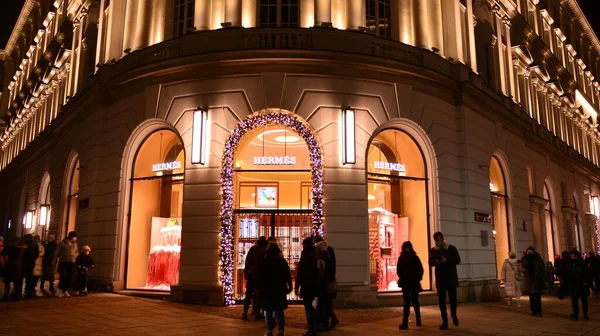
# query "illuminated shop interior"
(499, 214)
(397, 197)
(156, 205)
(72, 198)
(272, 195)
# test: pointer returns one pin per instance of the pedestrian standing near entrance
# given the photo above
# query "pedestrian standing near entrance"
(594, 272)
(251, 268)
(410, 273)
(13, 268)
(444, 257)
(331, 289)
(577, 284)
(512, 275)
(84, 264)
(308, 283)
(66, 253)
(535, 281)
(275, 283)
(48, 267)
(38, 266)
(32, 253)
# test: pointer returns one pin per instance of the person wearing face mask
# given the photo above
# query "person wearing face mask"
(66, 253)
(84, 263)
(512, 275)
(48, 269)
(410, 273)
(535, 279)
(444, 257)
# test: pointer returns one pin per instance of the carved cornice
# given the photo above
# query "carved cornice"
(18, 28)
(536, 200)
(584, 24)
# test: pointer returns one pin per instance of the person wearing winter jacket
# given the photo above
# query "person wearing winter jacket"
(328, 287)
(410, 273)
(444, 257)
(48, 268)
(512, 274)
(32, 253)
(535, 279)
(275, 283)
(578, 285)
(84, 263)
(251, 267)
(308, 283)
(593, 272)
(38, 266)
(66, 253)
(13, 268)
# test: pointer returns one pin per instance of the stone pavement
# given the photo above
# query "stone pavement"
(112, 314)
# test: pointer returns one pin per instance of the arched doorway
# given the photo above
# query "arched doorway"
(154, 237)
(44, 208)
(71, 196)
(551, 241)
(578, 244)
(398, 205)
(499, 195)
(272, 186)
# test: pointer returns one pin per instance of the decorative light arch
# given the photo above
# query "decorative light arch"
(227, 163)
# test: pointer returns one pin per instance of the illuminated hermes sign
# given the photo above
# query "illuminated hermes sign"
(391, 166)
(166, 166)
(274, 160)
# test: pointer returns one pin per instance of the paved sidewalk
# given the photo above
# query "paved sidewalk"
(111, 314)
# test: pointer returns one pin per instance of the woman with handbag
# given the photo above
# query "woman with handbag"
(410, 274)
(512, 275)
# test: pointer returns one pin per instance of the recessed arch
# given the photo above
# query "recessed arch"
(70, 194)
(44, 206)
(261, 119)
(577, 227)
(501, 198)
(552, 241)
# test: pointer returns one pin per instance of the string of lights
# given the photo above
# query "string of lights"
(227, 252)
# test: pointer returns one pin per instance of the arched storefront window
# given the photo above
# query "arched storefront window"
(550, 232)
(398, 208)
(72, 197)
(273, 194)
(154, 240)
(502, 243)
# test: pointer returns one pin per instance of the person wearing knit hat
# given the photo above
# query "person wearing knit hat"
(512, 274)
(84, 263)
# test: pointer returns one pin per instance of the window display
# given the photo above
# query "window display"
(397, 197)
(163, 262)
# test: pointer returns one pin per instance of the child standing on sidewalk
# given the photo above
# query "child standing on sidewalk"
(84, 262)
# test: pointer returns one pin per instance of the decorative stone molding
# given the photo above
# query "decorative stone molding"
(537, 201)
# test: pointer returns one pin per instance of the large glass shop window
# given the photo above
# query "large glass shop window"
(397, 197)
(156, 206)
(499, 214)
(273, 191)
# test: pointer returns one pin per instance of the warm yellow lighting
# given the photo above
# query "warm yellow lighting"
(588, 109)
(348, 136)
(44, 215)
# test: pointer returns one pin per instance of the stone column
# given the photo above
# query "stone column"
(501, 56)
(433, 23)
(143, 24)
(471, 36)
(202, 9)
(420, 21)
(233, 12)
(511, 77)
(405, 26)
(159, 19)
(356, 14)
(129, 29)
(322, 12)
(452, 29)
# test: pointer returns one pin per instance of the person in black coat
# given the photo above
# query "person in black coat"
(13, 268)
(593, 272)
(410, 274)
(535, 279)
(84, 263)
(32, 252)
(328, 286)
(253, 259)
(577, 284)
(48, 269)
(444, 257)
(308, 283)
(275, 283)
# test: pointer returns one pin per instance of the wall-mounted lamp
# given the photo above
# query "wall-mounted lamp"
(525, 226)
(348, 137)
(28, 219)
(44, 215)
(199, 136)
(596, 206)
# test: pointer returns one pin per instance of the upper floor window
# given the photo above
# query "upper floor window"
(379, 17)
(183, 17)
(279, 13)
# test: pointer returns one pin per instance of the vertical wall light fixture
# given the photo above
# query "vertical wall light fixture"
(348, 137)
(44, 215)
(28, 219)
(595, 206)
(199, 136)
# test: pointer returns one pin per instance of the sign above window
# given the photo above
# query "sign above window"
(391, 166)
(274, 160)
(166, 166)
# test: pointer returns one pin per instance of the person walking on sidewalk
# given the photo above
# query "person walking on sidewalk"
(251, 267)
(444, 257)
(535, 281)
(308, 282)
(577, 284)
(38, 266)
(275, 283)
(66, 253)
(594, 273)
(48, 268)
(32, 253)
(512, 274)
(13, 268)
(332, 287)
(410, 273)
(84, 263)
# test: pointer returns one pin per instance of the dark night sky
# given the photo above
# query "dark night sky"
(10, 9)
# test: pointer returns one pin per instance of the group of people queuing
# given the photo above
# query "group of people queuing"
(269, 281)
(28, 260)
(578, 275)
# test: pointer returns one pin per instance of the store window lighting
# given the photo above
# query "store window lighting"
(595, 206)
(348, 137)
(199, 137)
(28, 219)
(44, 215)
